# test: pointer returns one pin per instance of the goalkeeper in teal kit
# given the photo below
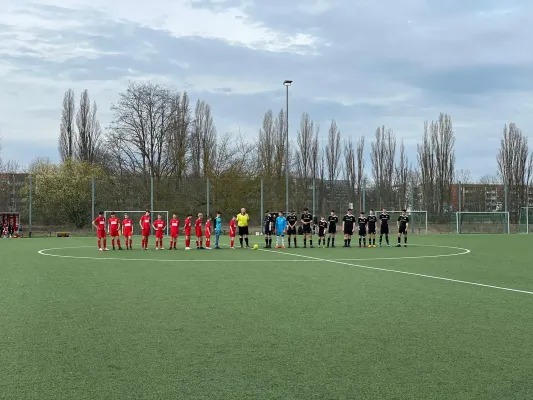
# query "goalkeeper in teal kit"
(281, 228)
(218, 229)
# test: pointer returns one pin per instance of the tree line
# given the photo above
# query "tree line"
(158, 136)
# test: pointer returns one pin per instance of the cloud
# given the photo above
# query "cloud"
(363, 63)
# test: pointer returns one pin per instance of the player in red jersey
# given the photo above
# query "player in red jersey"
(199, 233)
(145, 225)
(174, 231)
(99, 224)
(232, 232)
(208, 233)
(159, 226)
(113, 224)
(127, 230)
(187, 230)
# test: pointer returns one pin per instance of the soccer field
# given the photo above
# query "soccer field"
(449, 317)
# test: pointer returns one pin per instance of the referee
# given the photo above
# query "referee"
(242, 223)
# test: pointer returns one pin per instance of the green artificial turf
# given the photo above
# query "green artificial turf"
(281, 324)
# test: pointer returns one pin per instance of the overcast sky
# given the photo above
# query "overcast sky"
(364, 63)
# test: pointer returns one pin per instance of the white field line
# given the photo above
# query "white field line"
(404, 272)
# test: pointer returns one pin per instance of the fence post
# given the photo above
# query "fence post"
(314, 199)
(262, 207)
(506, 202)
(29, 207)
(459, 207)
(207, 198)
(93, 192)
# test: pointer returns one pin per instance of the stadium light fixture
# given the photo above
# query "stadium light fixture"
(287, 83)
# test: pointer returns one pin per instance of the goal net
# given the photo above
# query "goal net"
(136, 217)
(418, 220)
(481, 222)
(525, 222)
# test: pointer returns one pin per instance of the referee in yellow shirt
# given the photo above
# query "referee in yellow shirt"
(242, 223)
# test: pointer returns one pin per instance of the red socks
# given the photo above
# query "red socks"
(207, 242)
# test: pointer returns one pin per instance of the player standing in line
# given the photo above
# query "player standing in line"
(403, 226)
(348, 226)
(281, 228)
(199, 233)
(187, 229)
(145, 225)
(232, 232)
(218, 229)
(159, 226)
(99, 224)
(113, 224)
(127, 231)
(268, 228)
(292, 219)
(174, 231)
(333, 220)
(322, 226)
(242, 222)
(362, 222)
(372, 221)
(384, 218)
(208, 233)
(307, 220)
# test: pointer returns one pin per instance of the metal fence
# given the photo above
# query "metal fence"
(43, 213)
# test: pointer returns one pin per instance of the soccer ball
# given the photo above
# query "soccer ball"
(256, 246)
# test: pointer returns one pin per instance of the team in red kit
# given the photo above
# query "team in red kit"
(115, 228)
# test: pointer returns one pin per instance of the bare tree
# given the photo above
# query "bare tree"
(333, 152)
(515, 166)
(203, 140)
(266, 149)
(360, 151)
(383, 151)
(463, 176)
(305, 141)
(89, 131)
(67, 134)
(280, 146)
(179, 128)
(436, 160)
(140, 129)
(402, 179)
(354, 168)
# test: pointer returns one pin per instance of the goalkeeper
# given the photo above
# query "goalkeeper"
(281, 228)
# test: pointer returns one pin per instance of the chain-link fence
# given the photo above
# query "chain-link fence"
(50, 203)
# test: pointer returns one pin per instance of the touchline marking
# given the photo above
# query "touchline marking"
(405, 272)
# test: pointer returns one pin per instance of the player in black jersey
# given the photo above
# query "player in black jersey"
(268, 223)
(403, 226)
(307, 220)
(348, 225)
(333, 220)
(384, 218)
(322, 226)
(362, 222)
(372, 220)
(292, 219)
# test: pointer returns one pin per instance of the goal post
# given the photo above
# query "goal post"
(470, 222)
(525, 221)
(418, 220)
(136, 216)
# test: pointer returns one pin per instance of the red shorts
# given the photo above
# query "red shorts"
(199, 233)
(127, 233)
(173, 235)
(159, 234)
(146, 232)
(232, 235)
(101, 234)
(187, 232)
(114, 234)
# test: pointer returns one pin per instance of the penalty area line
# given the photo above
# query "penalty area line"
(395, 271)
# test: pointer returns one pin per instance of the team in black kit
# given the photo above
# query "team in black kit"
(367, 227)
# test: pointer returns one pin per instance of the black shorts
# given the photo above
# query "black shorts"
(384, 229)
(332, 229)
(268, 230)
(362, 232)
(307, 229)
(348, 231)
(291, 230)
(321, 232)
(402, 230)
(372, 230)
(243, 230)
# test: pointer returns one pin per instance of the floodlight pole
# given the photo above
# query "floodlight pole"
(287, 83)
